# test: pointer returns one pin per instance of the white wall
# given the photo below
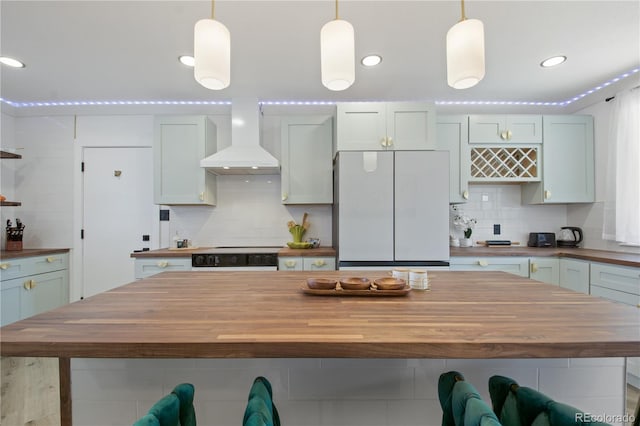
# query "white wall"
(590, 217)
(7, 170)
(329, 392)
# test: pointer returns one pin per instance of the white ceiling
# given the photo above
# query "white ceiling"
(125, 50)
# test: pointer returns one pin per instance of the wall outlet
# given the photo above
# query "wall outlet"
(164, 215)
(496, 229)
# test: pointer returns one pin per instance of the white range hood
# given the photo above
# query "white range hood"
(245, 155)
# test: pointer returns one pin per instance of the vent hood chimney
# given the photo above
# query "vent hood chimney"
(245, 156)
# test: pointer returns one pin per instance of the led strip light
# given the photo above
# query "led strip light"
(112, 103)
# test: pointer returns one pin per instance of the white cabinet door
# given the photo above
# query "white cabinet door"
(574, 275)
(513, 265)
(179, 145)
(421, 197)
(365, 205)
(45, 292)
(145, 267)
(361, 126)
(567, 162)
(379, 126)
(290, 263)
(411, 126)
(499, 129)
(307, 160)
(453, 136)
(545, 269)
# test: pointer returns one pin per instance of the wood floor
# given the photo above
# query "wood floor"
(24, 377)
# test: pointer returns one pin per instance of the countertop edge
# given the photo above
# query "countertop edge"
(31, 252)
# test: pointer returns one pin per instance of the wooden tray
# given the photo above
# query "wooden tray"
(366, 293)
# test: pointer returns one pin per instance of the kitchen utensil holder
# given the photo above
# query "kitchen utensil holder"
(14, 239)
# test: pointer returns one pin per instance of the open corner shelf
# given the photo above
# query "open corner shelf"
(6, 154)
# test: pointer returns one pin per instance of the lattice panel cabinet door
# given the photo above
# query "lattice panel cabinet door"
(504, 163)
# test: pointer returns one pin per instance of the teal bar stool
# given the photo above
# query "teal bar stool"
(175, 409)
(461, 404)
(517, 405)
(261, 411)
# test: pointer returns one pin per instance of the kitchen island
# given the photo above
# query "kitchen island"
(248, 315)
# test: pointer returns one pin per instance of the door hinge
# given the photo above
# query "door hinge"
(82, 166)
(82, 234)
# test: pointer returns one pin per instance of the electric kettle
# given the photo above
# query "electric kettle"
(570, 236)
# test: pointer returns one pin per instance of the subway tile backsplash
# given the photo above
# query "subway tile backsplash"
(501, 204)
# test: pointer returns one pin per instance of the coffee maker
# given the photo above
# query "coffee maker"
(570, 236)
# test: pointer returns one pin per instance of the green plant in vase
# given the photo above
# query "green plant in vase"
(298, 231)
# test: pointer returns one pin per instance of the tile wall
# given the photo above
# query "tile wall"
(329, 392)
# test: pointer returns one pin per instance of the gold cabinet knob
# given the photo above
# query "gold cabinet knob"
(383, 142)
(547, 194)
(503, 135)
(465, 195)
(483, 263)
(163, 264)
(5, 266)
(389, 141)
(51, 259)
(285, 196)
(290, 263)
(201, 196)
(509, 134)
(319, 262)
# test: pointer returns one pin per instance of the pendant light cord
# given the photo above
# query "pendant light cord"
(337, 10)
(461, 11)
(213, 9)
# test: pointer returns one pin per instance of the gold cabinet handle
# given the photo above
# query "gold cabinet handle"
(290, 263)
(483, 263)
(534, 267)
(5, 266)
(319, 262)
(28, 285)
(163, 264)
(51, 259)
(383, 142)
(201, 196)
(33, 284)
(465, 195)
(389, 141)
(547, 194)
(503, 135)
(285, 196)
(509, 134)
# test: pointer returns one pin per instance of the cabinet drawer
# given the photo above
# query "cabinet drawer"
(513, 265)
(319, 263)
(14, 268)
(147, 267)
(290, 264)
(619, 278)
(53, 262)
(616, 296)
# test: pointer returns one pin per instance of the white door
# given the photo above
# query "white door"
(118, 210)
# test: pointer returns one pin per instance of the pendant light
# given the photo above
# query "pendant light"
(465, 53)
(212, 53)
(337, 54)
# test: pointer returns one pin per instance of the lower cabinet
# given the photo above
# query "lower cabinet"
(311, 263)
(545, 269)
(619, 284)
(42, 284)
(514, 265)
(574, 275)
(145, 267)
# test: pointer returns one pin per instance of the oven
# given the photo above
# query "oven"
(236, 259)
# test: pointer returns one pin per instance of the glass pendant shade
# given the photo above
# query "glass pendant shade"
(337, 55)
(212, 54)
(465, 54)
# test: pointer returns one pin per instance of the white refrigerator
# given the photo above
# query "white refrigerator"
(391, 208)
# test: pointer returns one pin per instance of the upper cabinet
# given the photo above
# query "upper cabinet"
(380, 126)
(567, 162)
(180, 142)
(499, 129)
(307, 160)
(453, 136)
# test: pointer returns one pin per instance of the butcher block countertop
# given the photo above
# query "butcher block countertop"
(284, 251)
(31, 252)
(605, 256)
(266, 314)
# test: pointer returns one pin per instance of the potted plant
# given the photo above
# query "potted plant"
(466, 224)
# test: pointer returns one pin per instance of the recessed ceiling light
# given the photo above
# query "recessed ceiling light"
(186, 60)
(371, 60)
(11, 62)
(553, 61)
